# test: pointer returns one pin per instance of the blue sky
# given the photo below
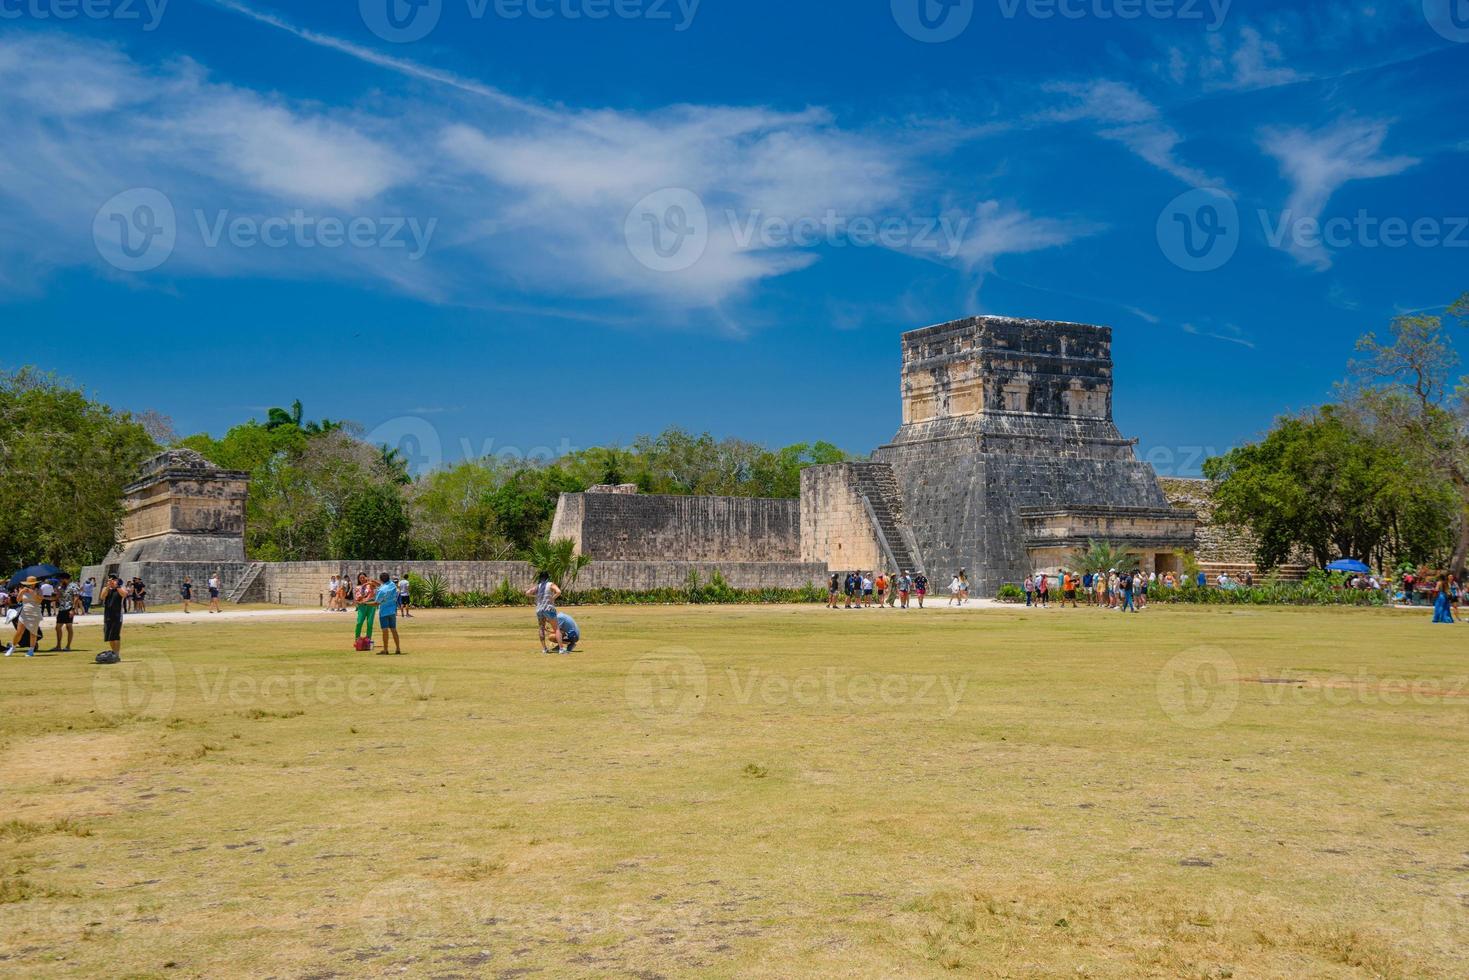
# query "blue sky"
(492, 231)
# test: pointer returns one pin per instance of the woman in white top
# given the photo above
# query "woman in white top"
(28, 599)
(546, 592)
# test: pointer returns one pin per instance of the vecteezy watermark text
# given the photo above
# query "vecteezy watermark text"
(139, 229)
(941, 235)
(406, 21)
(937, 21)
(147, 12)
(302, 230)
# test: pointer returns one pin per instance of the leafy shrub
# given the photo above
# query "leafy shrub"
(1010, 593)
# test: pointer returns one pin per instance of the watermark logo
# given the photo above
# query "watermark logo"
(943, 235)
(668, 687)
(414, 439)
(1199, 688)
(1199, 231)
(136, 231)
(1308, 233)
(1212, 12)
(401, 21)
(148, 12)
(933, 21)
(1450, 18)
(301, 230)
(668, 231)
(145, 682)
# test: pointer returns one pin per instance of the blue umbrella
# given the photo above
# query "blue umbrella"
(38, 571)
(1349, 565)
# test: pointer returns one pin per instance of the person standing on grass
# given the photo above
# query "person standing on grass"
(362, 595)
(214, 593)
(186, 592)
(1068, 590)
(1126, 584)
(833, 589)
(1442, 610)
(404, 594)
(89, 592)
(28, 623)
(48, 593)
(114, 595)
(546, 592)
(68, 607)
(386, 601)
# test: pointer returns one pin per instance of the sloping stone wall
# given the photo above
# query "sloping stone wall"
(646, 527)
(836, 530)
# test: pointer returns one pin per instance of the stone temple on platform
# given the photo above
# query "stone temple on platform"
(1007, 462)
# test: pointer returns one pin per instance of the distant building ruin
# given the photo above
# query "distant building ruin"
(183, 508)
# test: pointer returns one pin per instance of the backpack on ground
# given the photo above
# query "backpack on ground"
(108, 657)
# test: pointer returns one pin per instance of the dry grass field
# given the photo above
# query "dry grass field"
(745, 792)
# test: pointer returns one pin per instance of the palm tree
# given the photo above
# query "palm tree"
(1103, 556)
(559, 560)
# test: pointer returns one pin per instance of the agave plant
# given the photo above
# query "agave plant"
(559, 560)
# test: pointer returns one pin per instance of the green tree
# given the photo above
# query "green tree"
(372, 525)
(64, 460)
(453, 514)
(1404, 392)
(1320, 484)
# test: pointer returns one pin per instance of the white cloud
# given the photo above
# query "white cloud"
(531, 201)
(1318, 163)
(1127, 117)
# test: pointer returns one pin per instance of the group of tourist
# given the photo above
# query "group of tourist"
(860, 590)
(341, 593)
(33, 600)
(1122, 590)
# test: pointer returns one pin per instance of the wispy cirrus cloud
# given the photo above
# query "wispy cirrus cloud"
(1124, 115)
(529, 201)
(1318, 163)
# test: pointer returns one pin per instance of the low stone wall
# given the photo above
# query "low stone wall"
(306, 583)
(163, 578)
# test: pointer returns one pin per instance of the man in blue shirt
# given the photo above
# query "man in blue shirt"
(386, 600)
(570, 633)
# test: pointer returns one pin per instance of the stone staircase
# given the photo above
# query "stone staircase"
(247, 581)
(1237, 570)
(878, 488)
